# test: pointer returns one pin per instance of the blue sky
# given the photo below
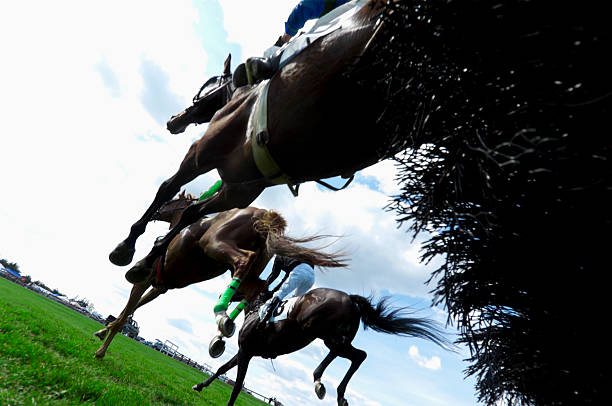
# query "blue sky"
(87, 88)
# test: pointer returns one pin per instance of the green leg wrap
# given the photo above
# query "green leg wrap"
(225, 298)
(243, 303)
(210, 192)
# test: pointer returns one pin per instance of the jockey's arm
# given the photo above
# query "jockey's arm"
(304, 11)
(307, 10)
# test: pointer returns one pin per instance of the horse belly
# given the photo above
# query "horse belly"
(188, 267)
(287, 338)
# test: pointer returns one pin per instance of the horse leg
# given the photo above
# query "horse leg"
(188, 171)
(222, 369)
(230, 196)
(318, 372)
(148, 297)
(251, 288)
(241, 261)
(356, 357)
(243, 364)
(116, 326)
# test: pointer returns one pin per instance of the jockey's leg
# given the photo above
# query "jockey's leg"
(300, 280)
(255, 69)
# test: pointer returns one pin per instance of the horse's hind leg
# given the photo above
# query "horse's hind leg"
(222, 369)
(356, 357)
(243, 364)
(188, 171)
(230, 196)
(116, 326)
(318, 372)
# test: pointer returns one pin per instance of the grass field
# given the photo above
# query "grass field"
(46, 357)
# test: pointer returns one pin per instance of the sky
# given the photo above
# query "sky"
(86, 90)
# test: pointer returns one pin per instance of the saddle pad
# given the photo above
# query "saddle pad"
(283, 309)
(330, 22)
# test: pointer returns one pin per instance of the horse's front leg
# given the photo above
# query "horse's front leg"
(188, 170)
(319, 387)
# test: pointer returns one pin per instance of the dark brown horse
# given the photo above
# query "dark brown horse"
(328, 314)
(319, 126)
(241, 240)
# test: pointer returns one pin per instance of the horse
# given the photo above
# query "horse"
(334, 317)
(320, 125)
(242, 240)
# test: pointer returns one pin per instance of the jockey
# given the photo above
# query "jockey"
(299, 278)
(307, 10)
(255, 68)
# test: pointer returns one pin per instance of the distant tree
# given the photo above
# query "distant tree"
(26, 278)
(84, 303)
(10, 265)
(42, 285)
(502, 111)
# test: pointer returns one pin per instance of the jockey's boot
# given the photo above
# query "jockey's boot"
(258, 69)
(254, 70)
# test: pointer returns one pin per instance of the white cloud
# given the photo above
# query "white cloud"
(255, 34)
(433, 363)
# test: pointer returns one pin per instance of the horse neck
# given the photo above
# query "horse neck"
(171, 212)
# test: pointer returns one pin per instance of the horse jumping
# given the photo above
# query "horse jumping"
(241, 240)
(328, 314)
(320, 125)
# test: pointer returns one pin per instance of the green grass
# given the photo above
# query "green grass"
(46, 357)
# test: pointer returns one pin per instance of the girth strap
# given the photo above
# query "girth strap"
(261, 154)
(260, 137)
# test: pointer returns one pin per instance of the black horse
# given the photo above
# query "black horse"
(328, 314)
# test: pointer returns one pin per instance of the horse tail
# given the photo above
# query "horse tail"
(272, 227)
(381, 318)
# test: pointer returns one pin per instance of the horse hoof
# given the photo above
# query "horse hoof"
(122, 255)
(320, 390)
(216, 347)
(138, 273)
(197, 388)
(100, 334)
(99, 354)
(227, 327)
